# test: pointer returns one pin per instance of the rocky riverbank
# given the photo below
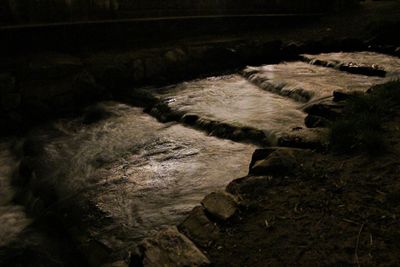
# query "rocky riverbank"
(298, 207)
(107, 175)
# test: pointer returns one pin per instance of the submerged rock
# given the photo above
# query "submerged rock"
(169, 248)
(220, 205)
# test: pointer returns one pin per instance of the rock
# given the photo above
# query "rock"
(252, 186)
(190, 119)
(368, 70)
(260, 154)
(199, 228)
(341, 96)
(168, 248)
(312, 121)
(220, 205)
(325, 108)
(281, 161)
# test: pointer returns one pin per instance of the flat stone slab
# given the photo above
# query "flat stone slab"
(171, 248)
(198, 227)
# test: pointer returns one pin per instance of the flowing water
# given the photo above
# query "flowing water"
(390, 64)
(303, 82)
(235, 101)
(13, 219)
(141, 174)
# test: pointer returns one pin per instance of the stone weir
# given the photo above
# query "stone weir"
(112, 175)
(41, 86)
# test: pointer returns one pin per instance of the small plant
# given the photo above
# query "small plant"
(360, 128)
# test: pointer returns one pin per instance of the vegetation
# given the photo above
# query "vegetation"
(361, 126)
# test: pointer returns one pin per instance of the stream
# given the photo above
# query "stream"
(117, 174)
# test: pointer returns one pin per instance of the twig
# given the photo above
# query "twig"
(357, 244)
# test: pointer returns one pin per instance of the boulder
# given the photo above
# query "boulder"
(199, 228)
(261, 153)
(341, 96)
(250, 186)
(281, 161)
(220, 205)
(168, 248)
(325, 108)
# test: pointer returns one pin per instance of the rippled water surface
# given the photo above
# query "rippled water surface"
(13, 219)
(234, 100)
(142, 173)
(295, 79)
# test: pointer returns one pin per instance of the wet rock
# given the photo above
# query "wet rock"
(168, 248)
(354, 68)
(341, 96)
(261, 153)
(252, 186)
(312, 140)
(312, 121)
(199, 228)
(325, 108)
(190, 119)
(281, 161)
(220, 205)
